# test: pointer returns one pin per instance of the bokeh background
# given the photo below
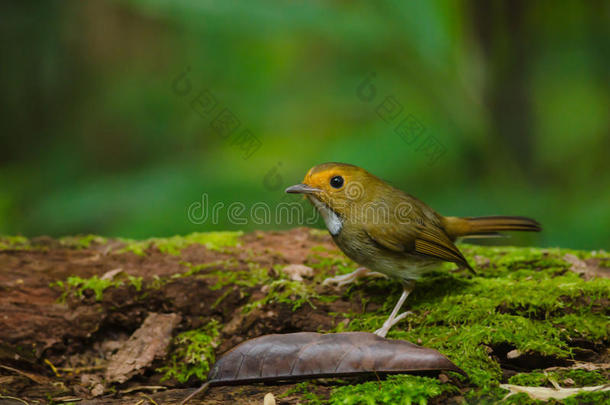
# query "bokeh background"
(505, 107)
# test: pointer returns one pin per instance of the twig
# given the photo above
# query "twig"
(67, 399)
(15, 398)
(36, 379)
(78, 370)
(149, 398)
(48, 362)
(197, 391)
(143, 388)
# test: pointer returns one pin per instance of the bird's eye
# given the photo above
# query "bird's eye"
(336, 182)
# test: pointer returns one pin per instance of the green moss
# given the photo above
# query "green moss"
(486, 395)
(395, 390)
(175, 244)
(172, 245)
(327, 263)
(14, 243)
(82, 242)
(318, 233)
(281, 289)
(78, 285)
(521, 399)
(278, 288)
(194, 269)
(588, 398)
(76, 242)
(136, 282)
(533, 379)
(294, 293)
(306, 396)
(192, 353)
(255, 275)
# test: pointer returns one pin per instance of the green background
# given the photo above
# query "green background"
(95, 139)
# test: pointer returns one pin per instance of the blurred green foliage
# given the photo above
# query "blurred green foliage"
(96, 139)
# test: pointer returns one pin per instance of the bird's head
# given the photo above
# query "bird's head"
(338, 186)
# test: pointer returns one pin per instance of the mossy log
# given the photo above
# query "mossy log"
(72, 306)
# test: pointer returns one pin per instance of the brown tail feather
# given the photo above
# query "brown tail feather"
(456, 227)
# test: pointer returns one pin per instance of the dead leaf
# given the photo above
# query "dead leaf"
(545, 393)
(147, 343)
(315, 355)
(304, 355)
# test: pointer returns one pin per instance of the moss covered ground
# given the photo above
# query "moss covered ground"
(523, 299)
(527, 317)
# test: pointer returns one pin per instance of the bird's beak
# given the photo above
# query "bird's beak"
(302, 189)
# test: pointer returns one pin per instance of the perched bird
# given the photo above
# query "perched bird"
(388, 231)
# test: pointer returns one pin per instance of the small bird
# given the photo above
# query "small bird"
(389, 232)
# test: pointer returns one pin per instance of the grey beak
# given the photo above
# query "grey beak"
(302, 189)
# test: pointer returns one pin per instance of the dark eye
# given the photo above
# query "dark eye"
(336, 182)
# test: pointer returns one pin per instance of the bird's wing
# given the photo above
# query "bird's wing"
(425, 239)
(433, 241)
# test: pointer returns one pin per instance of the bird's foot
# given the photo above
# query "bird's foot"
(344, 279)
(390, 322)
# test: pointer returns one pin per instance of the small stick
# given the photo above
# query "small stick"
(15, 398)
(78, 370)
(47, 361)
(150, 399)
(35, 378)
(197, 391)
(143, 388)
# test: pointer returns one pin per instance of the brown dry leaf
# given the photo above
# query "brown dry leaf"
(146, 344)
(587, 268)
(303, 355)
(314, 355)
(545, 393)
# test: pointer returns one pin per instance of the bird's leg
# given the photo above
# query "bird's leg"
(351, 277)
(394, 318)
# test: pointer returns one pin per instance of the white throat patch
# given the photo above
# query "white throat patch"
(332, 220)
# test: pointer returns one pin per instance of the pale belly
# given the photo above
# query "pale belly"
(401, 266)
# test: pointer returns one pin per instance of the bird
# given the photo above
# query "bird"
(388, 232)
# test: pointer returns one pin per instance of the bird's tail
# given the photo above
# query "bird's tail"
(461, 227)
